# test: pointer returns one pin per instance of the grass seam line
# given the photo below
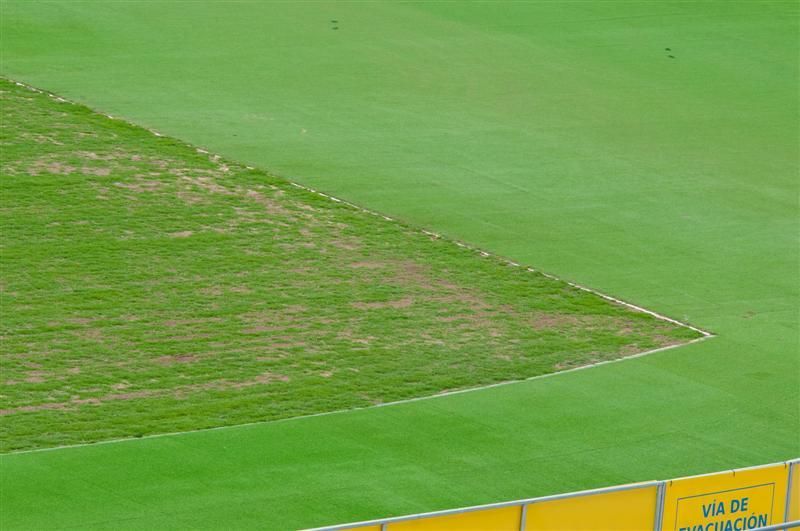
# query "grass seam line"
(365, 408)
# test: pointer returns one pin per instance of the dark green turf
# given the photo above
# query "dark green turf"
(560, 134)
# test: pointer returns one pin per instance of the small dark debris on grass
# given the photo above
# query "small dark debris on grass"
(671, 56)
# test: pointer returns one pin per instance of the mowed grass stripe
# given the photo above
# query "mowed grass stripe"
(151, 288)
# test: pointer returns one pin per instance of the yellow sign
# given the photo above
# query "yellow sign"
(500, 519)
(631, 509)
(735, 509)
(728, 501)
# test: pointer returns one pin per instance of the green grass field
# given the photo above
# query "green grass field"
(646, 149)
(176, 291)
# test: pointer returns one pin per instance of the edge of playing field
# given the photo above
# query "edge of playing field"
(704, 333)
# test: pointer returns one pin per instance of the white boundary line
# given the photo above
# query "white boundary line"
(628, 304)
(365, 408)
(435, 235)
(704, 334)
(515, 264)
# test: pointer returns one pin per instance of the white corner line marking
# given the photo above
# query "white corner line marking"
(216, 157)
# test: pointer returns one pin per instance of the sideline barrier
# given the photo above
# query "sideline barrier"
(761, 498)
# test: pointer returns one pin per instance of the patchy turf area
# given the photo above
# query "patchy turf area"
(149, 287)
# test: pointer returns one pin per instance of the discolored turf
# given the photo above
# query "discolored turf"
(176, 291)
